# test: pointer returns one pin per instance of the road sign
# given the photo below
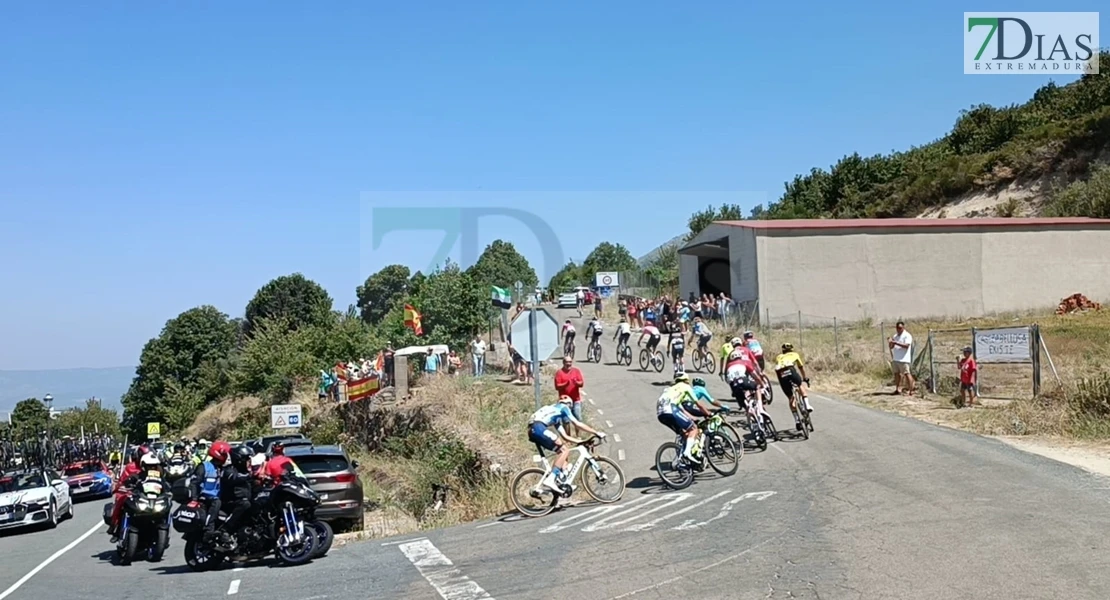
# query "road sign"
(153, 430)
(607, 279)
(285, 416)
(547, 334)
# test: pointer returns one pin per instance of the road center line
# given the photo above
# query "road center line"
(601, 412)
(53, 557)
(616, 438)
(233, 588)
(620, 454)
(392, 543)
(488, 525)
(609, 424)
(439, 571)
(590, 400)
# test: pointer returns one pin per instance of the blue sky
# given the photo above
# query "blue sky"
(154, 157)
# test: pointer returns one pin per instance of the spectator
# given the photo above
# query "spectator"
(387, 366)
(431, 363)
(478, 356)
(597, 306)
(969, 374)
(901, 355)
(622, 307)
(454, 363)
(569, 382)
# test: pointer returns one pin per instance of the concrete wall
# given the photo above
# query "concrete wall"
(688, 275)
(897, 273)
(744, 263)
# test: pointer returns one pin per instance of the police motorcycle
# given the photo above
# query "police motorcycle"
(276, 524)
(145, 527)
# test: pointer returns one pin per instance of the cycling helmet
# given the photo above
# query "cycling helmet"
(219, 452)
(788, 347)
(698, 381)
(242, 456)
(748, 335)
(149, 462)
(139, 453)
(735, 341)
(277, 448)
(179, 447)
(681, 378)
(566, 400)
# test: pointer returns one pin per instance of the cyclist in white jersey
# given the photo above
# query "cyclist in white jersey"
(701, 330)
(624, 331)
(594, 330)
(540, 433)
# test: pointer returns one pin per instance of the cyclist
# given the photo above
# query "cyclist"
(701, 330)
(540, 433)
(568, 335)
(650, 330)
(792, 373)
(726, 350)
(670, 412)
(756, 348)
(594, 330)
(677, 343)
(703, 405)
(624, 331)
(742, 374)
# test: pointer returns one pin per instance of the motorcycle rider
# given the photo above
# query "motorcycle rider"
(235, 487)
(120, 491)
(206, 483)
(280, 465)
(200, 450)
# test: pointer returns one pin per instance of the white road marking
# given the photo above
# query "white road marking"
(609, 424)
(653, 523)
(233, 588)
(488, 525)
(582, 517)
(404, 541)
(439, 571)
(53, 557)
(616, 438)
(237, 569)
(590, 400)
(620, 454)
(727, 508)
(601, 412)
(663, 500)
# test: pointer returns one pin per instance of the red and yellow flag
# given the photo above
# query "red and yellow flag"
(412, 319)
(361, 389)
(379, 363)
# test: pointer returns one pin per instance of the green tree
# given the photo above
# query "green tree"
(292, 299)
(195, 338)
(1089, 198)
(29, 418)
(275, 360)
(702, 219)
(453, 307)
(501, 265)
(664, 267)
(568, 277)
(607, 257)
(93, 417)
(381, 292)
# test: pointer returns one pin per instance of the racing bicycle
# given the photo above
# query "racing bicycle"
(624, 354)
(602, 479)
(593, 352)
(568, 347)
(759, 422)
(801, 415)
(655, 359)
(717, 451)
(702, 358)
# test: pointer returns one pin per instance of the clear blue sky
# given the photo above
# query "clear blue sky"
(154, 157)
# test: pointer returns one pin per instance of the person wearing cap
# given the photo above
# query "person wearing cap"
(901, 357)
(969, 376)
(546, 430)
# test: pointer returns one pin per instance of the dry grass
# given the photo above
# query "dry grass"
(218, 420)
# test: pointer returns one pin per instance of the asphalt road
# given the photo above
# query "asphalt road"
(872, 506)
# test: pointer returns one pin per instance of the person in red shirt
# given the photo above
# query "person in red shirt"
(969, 374)
(569, 382)
(280, 465)
(120, 490)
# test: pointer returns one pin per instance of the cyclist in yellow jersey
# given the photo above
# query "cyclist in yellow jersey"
(791, 372)
(726, 349)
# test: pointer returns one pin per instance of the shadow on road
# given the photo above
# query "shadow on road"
(178, 569)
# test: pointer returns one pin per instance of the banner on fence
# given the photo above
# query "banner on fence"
(361, 389)
(1009, 345)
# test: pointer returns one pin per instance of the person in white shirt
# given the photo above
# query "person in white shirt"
(901, 355)
(478, 356)
(624, 331)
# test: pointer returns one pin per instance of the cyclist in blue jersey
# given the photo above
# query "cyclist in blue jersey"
(703, 405)
(701, 330)
(546, 431)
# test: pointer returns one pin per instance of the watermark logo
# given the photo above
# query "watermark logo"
(1031, 43)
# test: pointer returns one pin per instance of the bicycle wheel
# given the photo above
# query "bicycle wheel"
(769, 427)
(808, 418)
(710, 364)
(757, 432)
(799, 417)
(597, 353)
(606, 491)
(627, 356)
(644, 358)
(674, 472)
(658, 362)
(733, 436)
(521, 495)
(721, 454)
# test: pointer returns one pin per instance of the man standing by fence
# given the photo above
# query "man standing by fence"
(478, 355)
(901, 355)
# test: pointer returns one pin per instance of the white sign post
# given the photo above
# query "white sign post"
(285, 416)
(607, 279)
(1009, 345)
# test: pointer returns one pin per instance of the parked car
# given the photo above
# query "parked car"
(263, 443)
(33, 497)
(88, 479)
(331, 473)
(568, 300)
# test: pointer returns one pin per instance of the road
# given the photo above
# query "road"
(873, 506)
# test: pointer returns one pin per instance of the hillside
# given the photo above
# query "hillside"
(69, 387)
(996, 161)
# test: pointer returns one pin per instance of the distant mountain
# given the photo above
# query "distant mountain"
(646, 259)
(69, 387)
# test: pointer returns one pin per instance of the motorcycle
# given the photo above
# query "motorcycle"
(281, 522)
(145, 530)
(177, 468)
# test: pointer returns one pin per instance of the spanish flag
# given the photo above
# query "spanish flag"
(412, 319)
(379, 363)
(361, 389)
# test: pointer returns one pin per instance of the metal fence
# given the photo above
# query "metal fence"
(639, 283)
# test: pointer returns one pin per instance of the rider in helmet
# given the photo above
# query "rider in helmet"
(670, 413)
(206, 481)
(235, 487)
(280, 466)
(131, 469)
(540, 432)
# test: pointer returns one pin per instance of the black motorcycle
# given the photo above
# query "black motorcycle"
(145, 530)
(278, 523)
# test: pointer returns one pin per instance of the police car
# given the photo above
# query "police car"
(33, 497)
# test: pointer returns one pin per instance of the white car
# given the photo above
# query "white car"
(35, 497)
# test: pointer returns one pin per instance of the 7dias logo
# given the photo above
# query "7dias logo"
(1031, 43)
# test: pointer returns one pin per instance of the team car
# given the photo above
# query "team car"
(33, 497)
(88, 479)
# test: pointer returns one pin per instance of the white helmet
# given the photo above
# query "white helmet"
(149, 460)
(566, 400)
(735, 341)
